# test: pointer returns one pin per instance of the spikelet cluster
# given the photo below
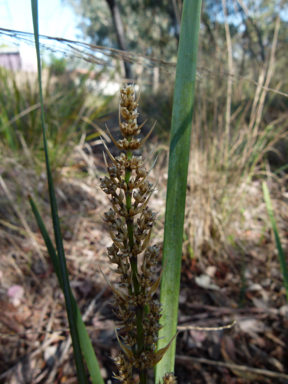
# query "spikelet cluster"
(169, 378)
(130, 222)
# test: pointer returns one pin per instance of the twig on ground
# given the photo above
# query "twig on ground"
(198, 328)
(188, 360)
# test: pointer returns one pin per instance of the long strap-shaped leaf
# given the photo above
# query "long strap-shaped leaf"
(177, 178)
(71, 312)
(282, 259)
(85, 341)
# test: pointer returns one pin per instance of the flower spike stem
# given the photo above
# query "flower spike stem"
(130, 222)
(134, 268)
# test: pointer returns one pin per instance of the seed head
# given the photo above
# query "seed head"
(130, 223)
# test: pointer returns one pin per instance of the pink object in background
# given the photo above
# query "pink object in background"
(15, 294)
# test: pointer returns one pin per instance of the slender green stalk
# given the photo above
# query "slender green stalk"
(134, 268)
(282, 260)
(71, 310)
(177, 178)
(85, 341)
(143, 377)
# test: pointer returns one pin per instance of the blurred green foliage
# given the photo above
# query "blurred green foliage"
(68, 104)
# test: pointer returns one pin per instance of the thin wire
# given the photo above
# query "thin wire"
(88, 52)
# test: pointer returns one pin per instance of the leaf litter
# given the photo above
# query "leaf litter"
(240, 282)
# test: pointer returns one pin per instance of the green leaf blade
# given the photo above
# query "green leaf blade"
(282, 260)
(86, 345)
(177, 179)
(71, 312)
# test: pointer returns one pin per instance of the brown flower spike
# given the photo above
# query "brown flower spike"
(130, 223)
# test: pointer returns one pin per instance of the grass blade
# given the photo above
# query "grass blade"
(47, 240)
(85, 341)
(281, 255)
(177, 178)
(70, 308)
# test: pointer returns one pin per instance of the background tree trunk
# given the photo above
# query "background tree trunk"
(117, 21)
